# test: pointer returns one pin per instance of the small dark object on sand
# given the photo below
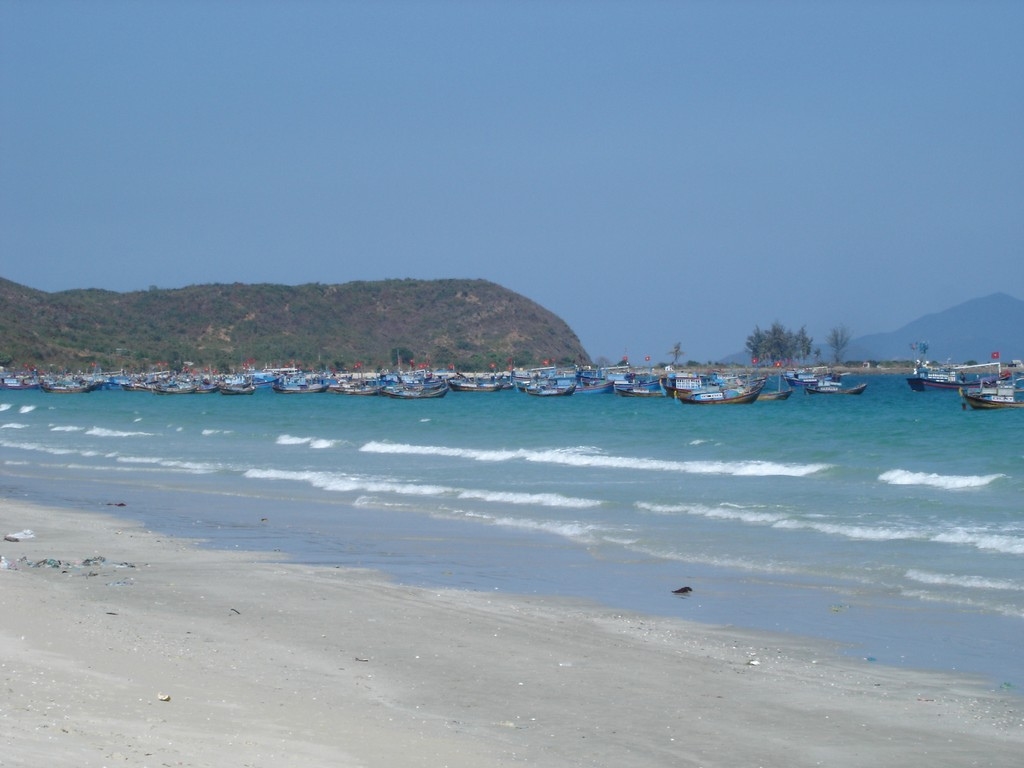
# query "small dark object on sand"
(682, 591)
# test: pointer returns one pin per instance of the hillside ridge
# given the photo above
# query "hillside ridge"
(463, 323)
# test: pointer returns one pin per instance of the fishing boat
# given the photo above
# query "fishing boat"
(638, 388)
(299, 385)
(776, 394)
(833, 388)
(985, 398)
(678, 383)
(174, 387)
(361, 387)
(734, 393)
(461, 383)
(416, 391)
(236, 385)
(953, 377)
(802, 377)
(550, 388)
(68, 386)
(20, 381)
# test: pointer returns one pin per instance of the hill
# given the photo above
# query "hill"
(469, 324)
(969, 331)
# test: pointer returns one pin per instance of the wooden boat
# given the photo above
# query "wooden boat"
(803, 377)
(681, 383)
(779, 394)
(20, 381)
(954, 377)
(462, 383)
(1002, 395)
(369, 388)
(174, 388)
(590, 386)
(730, 394)
(407, 391)
(638, 389)
(833, 388)
(299, 385)
(236, 388)
(639, 385)
(69, 386)
(550, 389)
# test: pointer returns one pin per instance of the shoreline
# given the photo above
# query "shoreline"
(267, 663)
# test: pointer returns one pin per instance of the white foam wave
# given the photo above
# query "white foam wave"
(313, 442)
(334, 482)
(971, 582)
(588, 457)
(66, 429)
(724, 512)
(538, 499)
(26, 409)
(5, 407)
(345, 483)
(187, 466)
(14, 425)
(436, 450)
(573, 530)
(862, 532)
(946, 482)
(103, 432)
(1011, 545)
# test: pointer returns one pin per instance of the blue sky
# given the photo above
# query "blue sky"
(653, 172)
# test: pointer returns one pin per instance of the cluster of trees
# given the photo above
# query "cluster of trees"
(779, 344)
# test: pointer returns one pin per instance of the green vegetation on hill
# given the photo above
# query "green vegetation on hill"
(468, 324)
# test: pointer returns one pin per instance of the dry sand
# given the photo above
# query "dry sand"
(169, 654)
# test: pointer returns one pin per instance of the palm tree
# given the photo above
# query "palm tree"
(676, 352)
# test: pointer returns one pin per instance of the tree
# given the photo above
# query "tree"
(838, 339)
(777, 344)
(676, 352)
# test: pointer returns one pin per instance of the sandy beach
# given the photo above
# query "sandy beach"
(124, 647)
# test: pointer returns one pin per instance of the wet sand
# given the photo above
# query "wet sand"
(168, 653)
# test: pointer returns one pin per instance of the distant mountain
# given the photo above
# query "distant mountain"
(969, 331)
(469, 324)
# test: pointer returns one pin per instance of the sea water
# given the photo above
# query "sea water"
(891, 522)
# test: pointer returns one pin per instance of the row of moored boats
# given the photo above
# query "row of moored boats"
(980, 386)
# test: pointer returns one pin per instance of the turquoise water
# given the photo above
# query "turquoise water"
(892, 521)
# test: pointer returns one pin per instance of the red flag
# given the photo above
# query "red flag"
(995, 355)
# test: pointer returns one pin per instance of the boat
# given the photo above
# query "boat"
(953, 377)
(735, 393)
(299, 385)
(986, 398)
(638, 384)
(550, 388)
(776, 394)
(236, 385)
(68, 385)
(174, 388)
(416, 391)
(681, 383)
(461, 383)
(20, 381)
(802, 377)
(833, 388)
(588, 385)
(638, 389)
(365, 388)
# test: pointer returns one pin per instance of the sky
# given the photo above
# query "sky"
(653, 172)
